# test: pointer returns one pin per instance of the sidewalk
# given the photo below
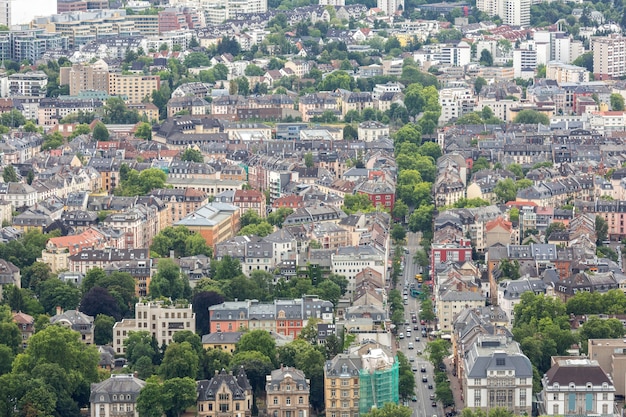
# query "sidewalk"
(455, 386)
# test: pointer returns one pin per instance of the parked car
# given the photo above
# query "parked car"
(401, 336)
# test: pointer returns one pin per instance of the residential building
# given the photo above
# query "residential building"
(162, 320)
(26, 324)
(351, 260)
(497, 374)
(226, 341)
(287, 393)
(134, 88)
(76, 321)
(372, 131)
(381, 193)
(82, 77)
(455, 102)
(577, 386)
(391, 7)
(180, 202)
(253, 200)
(225, 395)
(609, 60)
(116, 396)
(9, 275)
(566, 73)
(524, 63)
(58, 249)
(18, 12)
(512, 12)
(451, 302)
(218, 11)
(29, 84)
(215, 222)
(52, 110)
(510, 293)
(610, 354)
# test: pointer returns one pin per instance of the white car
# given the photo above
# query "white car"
(401, 336)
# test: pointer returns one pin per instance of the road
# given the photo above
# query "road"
(423, 406)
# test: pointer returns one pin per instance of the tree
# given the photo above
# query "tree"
(585, 60)
(531, 117)
(120, 286)
(390, 410)
(308, 160)
(254, 71)
(226, 269)
(257, 366)
(438, 350)
(554, 227)
(142, 183)
(192, 155)
(259, 341)
(602, 230)
(103, 329)
(261, 229)
(486, 58)
(13, 118)
(200, 304)
(421, 219)
(479, 83)
(505, 190)
(54, 293)
(149, 401)
(182, 241)
(140, 344)
(178, 394)
(9, 174)
(168, 281)
(144, 131)
(180, 361)
(617, 102)
(100, 132)
(278, 216)
(509, 269)
(99, 301)
(398, 233)
(353, 203)
(196, 60)
(214, 360)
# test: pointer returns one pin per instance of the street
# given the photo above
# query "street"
(423, 406)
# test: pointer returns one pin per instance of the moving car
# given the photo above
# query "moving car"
(411, 345)
(414, 399)
(430, 386)
(432, 396)
(434, 404)
(401, 335)
(423, 368)
(424, 379)
(417, 338)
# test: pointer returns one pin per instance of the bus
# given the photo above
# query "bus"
(415, 293)
(418, 277)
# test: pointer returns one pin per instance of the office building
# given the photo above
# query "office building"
(609, 56)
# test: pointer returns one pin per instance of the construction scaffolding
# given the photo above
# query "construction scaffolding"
(379, 381)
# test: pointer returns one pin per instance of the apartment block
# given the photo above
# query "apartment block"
(81, 77)
(162, 320)
(217, 11)
(611, 356)
(52, 110)
(609, 56)
(30, 84)
(455, 102)
(512, 12)
(566, 73)
(134, 87)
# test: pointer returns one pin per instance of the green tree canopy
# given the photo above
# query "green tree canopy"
(531, 117)
(169, 281)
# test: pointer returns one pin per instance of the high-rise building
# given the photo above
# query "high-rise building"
(609, 56)
(86, 77)
(217, 11)
(391, 7)
(512, 12)
(18, 12)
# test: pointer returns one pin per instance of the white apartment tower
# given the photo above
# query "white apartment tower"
(512, 12)
(609, 56)
(19, 12)
(391, 7)
(216, 11)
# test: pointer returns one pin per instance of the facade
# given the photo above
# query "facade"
(253, 200)
(611, 356)
(225, 395)
(577, 387)
(135, 88)
(30, 84)
(498, 374)
(9, 275)
(341, 385)
(116, 396)
(287, 393)
(161, 319)
(218, 11)
(512, 12)
(26, 324)
(455, 102)
(77, 321)
(81, 77)
(566, 73)
(350, 261)
(609, 60)
(391, 7)
(452, 302)
(372, 131)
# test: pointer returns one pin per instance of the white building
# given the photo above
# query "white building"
(160, 319)
(497, 374)
(351, 260)
(577, 386)
(455, 102)
(524, 63)
(500, 108)
(18, 12)
(456, 55)
(372, 131)
(30, 84)
(609, 56)
(332, 2)
(512, 12)
(565, 73)
(216, 11)
(116, 396)
(451, 302)
(391, 7)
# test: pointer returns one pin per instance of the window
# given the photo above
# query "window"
(275, 400)
(588, 401)
(288, 401)
(555, 409)
(300, 400)
(571, 403)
